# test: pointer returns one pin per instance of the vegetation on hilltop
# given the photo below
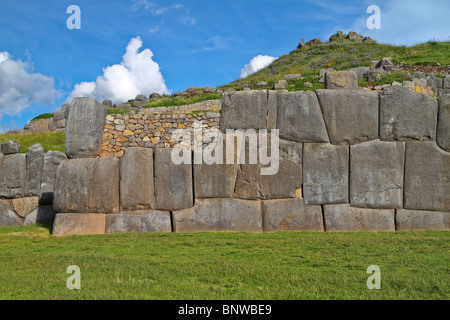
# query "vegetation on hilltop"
(51, 141)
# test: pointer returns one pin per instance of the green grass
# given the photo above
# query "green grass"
(169, 101)
(51, 141)
(387, 79)
(44, 116)
(224, 266)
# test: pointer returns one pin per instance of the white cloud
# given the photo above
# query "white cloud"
(257, 63)
(137, 74)
(20, 87)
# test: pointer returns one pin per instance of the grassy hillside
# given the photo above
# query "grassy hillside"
(51, 141)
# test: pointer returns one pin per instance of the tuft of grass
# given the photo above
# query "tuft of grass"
(44, 116)
(169, 101)
(51, 141)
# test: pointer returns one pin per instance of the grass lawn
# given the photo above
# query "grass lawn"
(224, 266)
(51, 141)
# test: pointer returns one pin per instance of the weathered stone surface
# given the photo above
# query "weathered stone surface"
(443, 130)
(220, 215)
(173, 183)
(52, 160)
(136, 180)
(360, 72)
(341, 80)
(351, 116)
(281, 85)
(376, 175)
(59, 115)
(427, 177)
(245, 110)
(108, 104)
(43, 214)
(291, 215)
(446, 82)
(67, 224)
(325, 174)
(385, 62)
(12, 175)
(375, 75)
(10, 147)
(7, 216)
(300, 118)
(24, 206)
(87, 186)
(84, 128)
(140, 222)
(407, 220)
(35, 165)
(343, 217)
(272, 112)
(407, 115)
(140, 97)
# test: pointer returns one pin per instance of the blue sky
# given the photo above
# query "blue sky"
(192, 43)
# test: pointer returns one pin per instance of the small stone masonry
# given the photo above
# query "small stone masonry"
(350, 160)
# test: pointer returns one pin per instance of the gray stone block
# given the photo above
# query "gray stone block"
(300, 118)
(136, 180)
(427, 177)
(140, 222)
(341, 80)
(443, 129)
(220, 215)
(10, 147)
(360, 72)
(376, 175)
(12, 175)
(7, 215)
(408, 220)
(325, 174)
(291, 215)
(343, 217)
(351, 116)
(59, 115)
(79, 224)
(108, 104)
(87, 186)
(272, 111)
(52, 160)
(446, 82)
(84, 128)
(407, 115)
(173, 183)
(43, 214)
(35, 165)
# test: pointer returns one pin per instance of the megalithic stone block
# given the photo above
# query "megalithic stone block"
(52, 160)
(13, 175)
(7, 215)
(408, 220)
(136, 180)
(173, 183)
(341, 80)
(84, 128)
(343, 217)
(220, 215)
(291, 215)
(300, 118)
(427, 177)
(407, 115)
(87, 186)
(35, 165)
(325, 174)
(43, 214)
(443, 130)
(79, 224)
(140, 222)
(351, 116)
(376, 175)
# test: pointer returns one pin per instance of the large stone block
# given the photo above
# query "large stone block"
(87, 186)
(427, 177)
(84, 128)
(376, 175)
(361, 72)
(291, 215)
(325, 173)
(35, 165)
(12, 175)
(139, 222)
(136, 180)
(343, 217)
(7, 215)
(43, 214)
(407, 220)
(300, 118)
(407, 115)
(173, 183)
(443, 130)
(52, 160)
(24, 206)
(10, 147)
(351, 116)
(79, 224)
(245, 110)
(220, 215)
(341, 80)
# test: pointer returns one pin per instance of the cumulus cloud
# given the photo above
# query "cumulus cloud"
(20, 87)
(136, 74)
(257, 63)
